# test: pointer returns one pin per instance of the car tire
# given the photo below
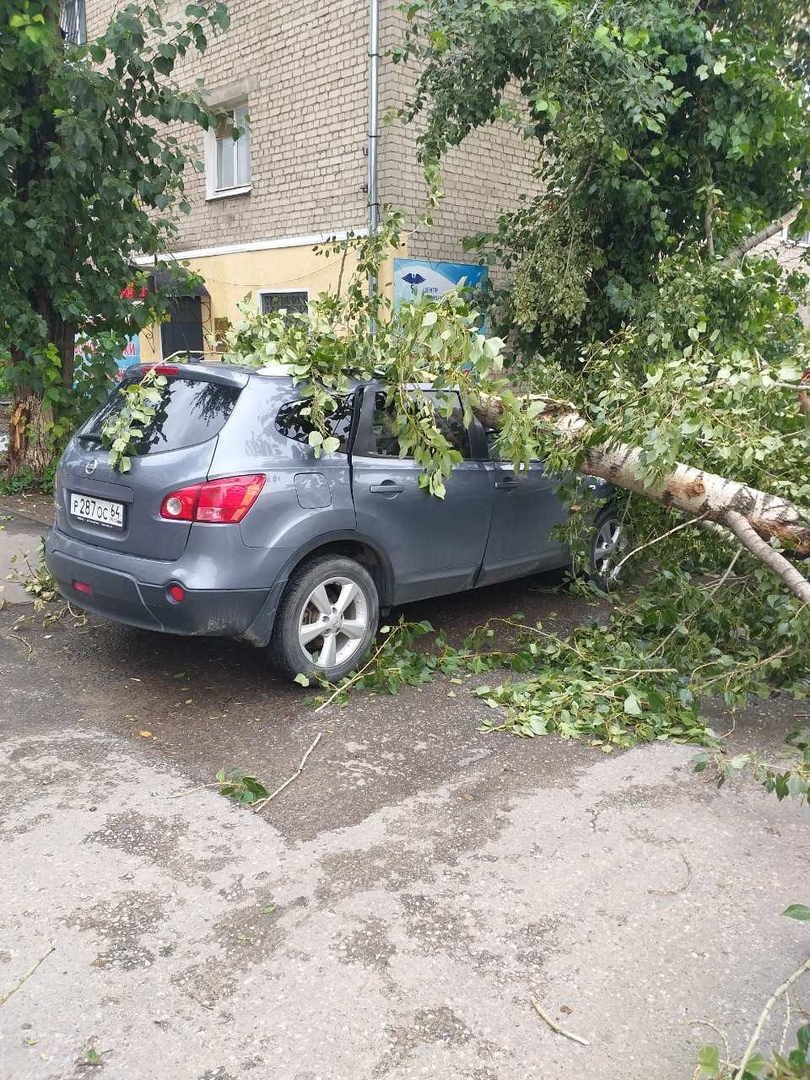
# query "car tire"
(608, 544)
(326, 620)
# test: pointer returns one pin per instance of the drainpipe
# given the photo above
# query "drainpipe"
(373, 121)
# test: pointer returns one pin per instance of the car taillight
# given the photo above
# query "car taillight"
(229, 499)
(180, 505)
(222, 502)
(160, 369)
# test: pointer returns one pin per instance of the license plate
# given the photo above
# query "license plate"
(99, 511)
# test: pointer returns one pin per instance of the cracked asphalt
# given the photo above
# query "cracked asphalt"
(392, 913)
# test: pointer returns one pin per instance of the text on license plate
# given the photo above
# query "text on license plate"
(100, 511)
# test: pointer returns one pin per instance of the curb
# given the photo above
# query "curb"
(22, 516)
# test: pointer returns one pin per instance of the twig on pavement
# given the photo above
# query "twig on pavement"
(556, 1027)
(772, 1000)
(260, 805)
(680, 888)
(25, 977)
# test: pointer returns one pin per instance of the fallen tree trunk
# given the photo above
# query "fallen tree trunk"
(707, 495)
(754, 517)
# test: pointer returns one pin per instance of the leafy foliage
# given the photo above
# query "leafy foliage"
(657, 126)
(239, 785)
(121, 431)
(638, 673)
(707, 375)
(786, 779)
(795, 1065)
(40, 585)
(24, 480)
(428, 345)
(90, 177)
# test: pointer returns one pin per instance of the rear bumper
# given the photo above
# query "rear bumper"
(120, 596)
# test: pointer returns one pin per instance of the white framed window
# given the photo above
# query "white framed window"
(289, 300)
(802, 241)
(72, 21)
(227, 164)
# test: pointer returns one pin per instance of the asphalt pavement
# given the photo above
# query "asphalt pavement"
(393, 911)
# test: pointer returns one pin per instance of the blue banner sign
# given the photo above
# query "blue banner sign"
(419, 277)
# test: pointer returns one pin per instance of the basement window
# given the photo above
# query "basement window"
(291, 302)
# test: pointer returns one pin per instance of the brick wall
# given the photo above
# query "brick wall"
(305, 70)
(483, 176)
(304, 66)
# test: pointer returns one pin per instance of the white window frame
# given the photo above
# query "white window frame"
(279, 292)
(238, 111)
(803, 241)
(73, 21)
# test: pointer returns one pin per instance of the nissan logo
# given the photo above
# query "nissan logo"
(91, 466)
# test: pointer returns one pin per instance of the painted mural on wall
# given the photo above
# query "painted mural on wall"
(129, 356)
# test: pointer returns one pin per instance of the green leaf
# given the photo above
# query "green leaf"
(632, 706)
(709, 1060)
(756, 1065)
(301, 679)
(798, 911)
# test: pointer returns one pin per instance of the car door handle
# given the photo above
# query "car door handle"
(506, 485)
(387, 487)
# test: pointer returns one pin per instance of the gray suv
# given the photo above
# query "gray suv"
(227, 524)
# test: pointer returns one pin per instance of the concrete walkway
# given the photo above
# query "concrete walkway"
(19, 548)
(392, 913)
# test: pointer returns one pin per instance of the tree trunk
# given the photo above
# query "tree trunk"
(752, 516)
(30, 448)
(705, 495)
(61, 333)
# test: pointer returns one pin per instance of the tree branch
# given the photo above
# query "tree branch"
(759, 238)
(555, 1026)
(26, 976)
(786, 985)
(694, 491)
(614, 573)
(791, 578)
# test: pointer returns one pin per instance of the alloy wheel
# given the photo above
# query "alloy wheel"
(333, 622)
(609, 541)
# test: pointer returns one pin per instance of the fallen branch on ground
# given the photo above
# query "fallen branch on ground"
(26, 976)
(556, 1027)
(772, 1000)
(260, 805)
